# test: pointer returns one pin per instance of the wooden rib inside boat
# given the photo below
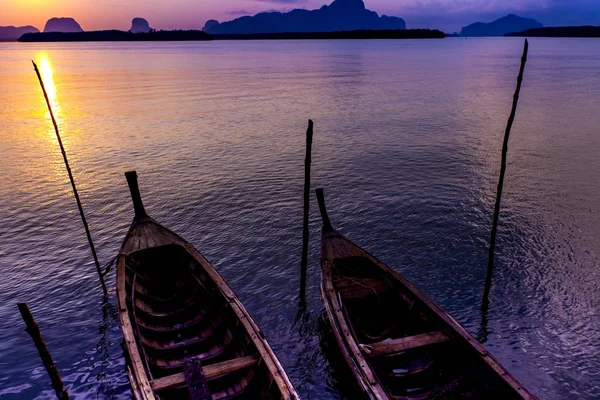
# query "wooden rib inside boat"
(186, 333)
(398, 343)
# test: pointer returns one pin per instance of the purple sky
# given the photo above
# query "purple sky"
(448, 15)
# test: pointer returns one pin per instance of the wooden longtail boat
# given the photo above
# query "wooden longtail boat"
(398, 343)
(186, 333)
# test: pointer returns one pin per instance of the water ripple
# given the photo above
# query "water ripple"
(407, 141)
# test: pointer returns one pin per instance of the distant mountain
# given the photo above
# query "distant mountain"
(500, 27)
(341, 15)
(67, 25)
(13, 32)
(140, 25)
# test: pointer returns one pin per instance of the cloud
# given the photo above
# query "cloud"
(255, 10)
(471, 6)
(451, 15)
(283, 1)
(239, 12)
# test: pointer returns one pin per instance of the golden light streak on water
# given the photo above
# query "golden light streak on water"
(47, 72)
(46, 69)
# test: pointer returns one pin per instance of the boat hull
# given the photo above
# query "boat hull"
(186, 333)
(398, 343)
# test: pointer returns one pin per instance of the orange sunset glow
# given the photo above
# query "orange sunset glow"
(100, 15)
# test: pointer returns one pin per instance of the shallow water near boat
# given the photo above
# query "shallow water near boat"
(407, 145)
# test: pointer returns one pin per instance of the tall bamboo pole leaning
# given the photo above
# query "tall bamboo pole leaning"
(64, 154)
(307, 162)
(36, 335)
(511, 119)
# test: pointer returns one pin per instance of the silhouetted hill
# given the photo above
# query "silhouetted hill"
(341, 15)
(15, 32)
(140, 25)
(561, 31)
(114, 36)
(500, 27)
(62, 25)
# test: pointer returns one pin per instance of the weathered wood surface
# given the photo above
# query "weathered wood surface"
(34, 330)
(365, 377)
(324, 216)
(136, 197)
(403, 344)
(138, 370)
(210, 372)
(345, 338)
(359, 287)
(305, 233)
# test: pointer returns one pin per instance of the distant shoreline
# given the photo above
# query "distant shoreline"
(115, 36)
(561, 31)
(121, 36)
(359, 34)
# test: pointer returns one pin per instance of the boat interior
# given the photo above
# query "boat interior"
(182, 321)
(412, 352)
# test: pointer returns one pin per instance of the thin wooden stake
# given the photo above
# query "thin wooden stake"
(36, 335)
(307, 162)
(511, 118)
(64, 154)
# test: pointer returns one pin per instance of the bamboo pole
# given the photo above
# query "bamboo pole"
(305, 232)
(511, 119)
(64, 154)
(36, 335)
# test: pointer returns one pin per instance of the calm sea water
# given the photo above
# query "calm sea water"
(407, 146)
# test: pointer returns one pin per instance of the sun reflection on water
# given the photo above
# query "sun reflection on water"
(46, 70)
(47, 73)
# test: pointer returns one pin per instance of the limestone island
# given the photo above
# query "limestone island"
(62, 25)
(341, 15)
(12, 33)
(500, 27)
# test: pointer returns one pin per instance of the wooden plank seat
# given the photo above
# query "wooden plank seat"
(391, 346)
(352, 288)
(210, 372)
